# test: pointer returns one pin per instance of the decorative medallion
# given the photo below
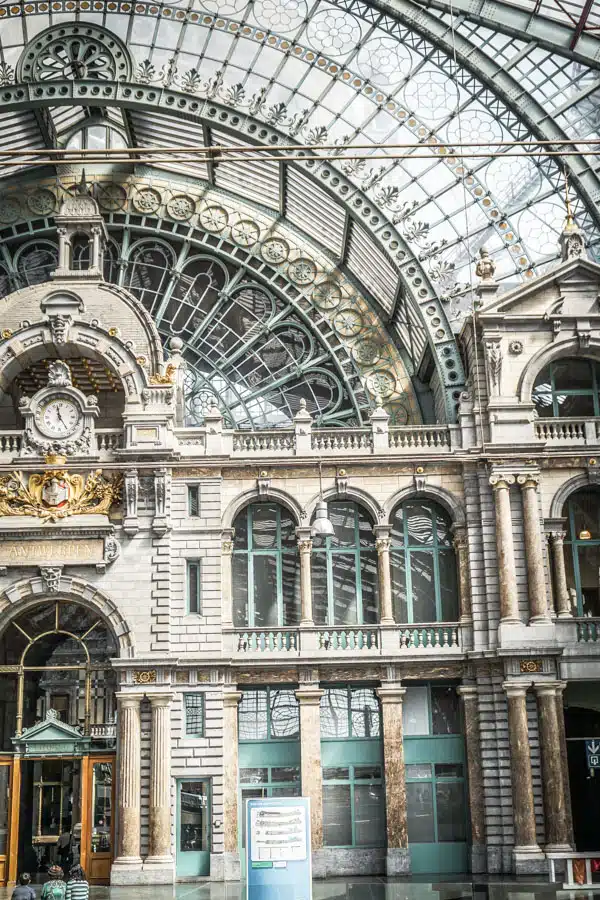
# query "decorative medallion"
(367, 352)
(275, 250)
(381, 384)
(302, 271)
(112, 197)
(42, 202)
(348, 322)
(145, 677)
(181, 207)
(72, 52)
(213, 219)
(530, 666)
(55, 494)
(10, 209)
(327, 295)
(245, 232)
(146, 200)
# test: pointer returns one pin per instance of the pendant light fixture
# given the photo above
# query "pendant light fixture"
(321, 527)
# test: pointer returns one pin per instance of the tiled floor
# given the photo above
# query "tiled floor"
(350, 889)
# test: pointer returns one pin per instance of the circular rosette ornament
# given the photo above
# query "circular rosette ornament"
(327, 295)
(302, 271)
(213, 219)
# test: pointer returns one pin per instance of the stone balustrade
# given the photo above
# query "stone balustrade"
(560, 432)
(10, 444)
(108, 439)
(588, 631)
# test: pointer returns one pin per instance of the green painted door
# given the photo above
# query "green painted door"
(193, 827)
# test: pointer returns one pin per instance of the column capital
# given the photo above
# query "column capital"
(163, 699)
(383, 544)
(547, 688)
(391, 693)
(516, 688)
(128, 700)
(309, 696)
(501, 481)
(557, 537)
(305, 545)
(231, 698)
(528, 480)
(467, 691)
(382, 531)
(303, 533)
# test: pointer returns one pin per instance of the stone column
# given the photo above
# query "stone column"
(231, 859)
(526, 851)
(226, 579)
(560, 714)
(309, 698)
(305, 550)
(159, 840)
(468, 692)
(461, 548)
(128, 859)
(383, 543)
(536, 577)
(553, 780)
(509, 603)
(398, 857)
(563, 600)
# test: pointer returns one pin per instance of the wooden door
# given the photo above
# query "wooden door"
(98, 821)
(5, 817)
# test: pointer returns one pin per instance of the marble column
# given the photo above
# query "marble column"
(507, 578)
(560, 714)
(226, 578)
(128, 798)
(526, 851)
(536, 576)
(305, 551)
(563, 600)
(311, 775)
(553, 780)
(398, 857)
(461, 548)
(468, 692)
(231, 859)
(383, 543)
(159, 840)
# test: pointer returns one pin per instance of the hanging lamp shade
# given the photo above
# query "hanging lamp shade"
(321, 527)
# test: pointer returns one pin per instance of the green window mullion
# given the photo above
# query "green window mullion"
(352, 808)
(437, 585)
(575, 552)
(349, 707)
(555, 410)
(409, 598)
(329, 567)
(250, 589)
(357, 570)
(279, 570)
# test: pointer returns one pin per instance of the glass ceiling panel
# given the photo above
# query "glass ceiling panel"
(343, 72)
(566, 11)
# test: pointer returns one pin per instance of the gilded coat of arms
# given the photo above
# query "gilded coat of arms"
(56, 494)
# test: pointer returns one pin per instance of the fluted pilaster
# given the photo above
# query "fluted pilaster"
(507, 578)
(305, 551)
(536, 578)
(159, 847)
(129, 778)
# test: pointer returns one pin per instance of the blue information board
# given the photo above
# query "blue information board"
(278, 853)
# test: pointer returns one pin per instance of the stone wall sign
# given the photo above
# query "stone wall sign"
(37, 553)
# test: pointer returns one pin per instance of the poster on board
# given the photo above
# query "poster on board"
(278, 852)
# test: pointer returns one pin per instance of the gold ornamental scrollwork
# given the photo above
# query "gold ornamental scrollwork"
(530, 666)
(167, 378)
(148, 676)
(56, 494)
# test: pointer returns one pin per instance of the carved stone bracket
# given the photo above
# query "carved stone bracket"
(51, 576)
(160, 522)
(112, 551)
(130, 522)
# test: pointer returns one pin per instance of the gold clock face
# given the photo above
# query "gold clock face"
(58, 417)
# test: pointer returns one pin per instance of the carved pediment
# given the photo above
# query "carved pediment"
(51, 736)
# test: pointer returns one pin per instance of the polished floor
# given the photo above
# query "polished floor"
(352, 889)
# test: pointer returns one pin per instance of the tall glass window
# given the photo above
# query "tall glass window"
(268, 714)
(582, 550)
(350, 712)
(568, 387)
(265, 573)
(344, 569)
(423, 563)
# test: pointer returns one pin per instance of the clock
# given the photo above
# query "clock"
(58, 417)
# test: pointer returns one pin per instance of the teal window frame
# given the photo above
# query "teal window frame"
(434, 780)
(350, 691)
(593, 391)
(435, 548)
(187, 705)
(268, 788)
(575, 543)
(193, 578)
(269, 691)
(352, 781)
(193, 494)
(329, 551)
(251, 553)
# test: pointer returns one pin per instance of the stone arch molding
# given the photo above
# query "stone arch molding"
(451, 504)
(256, 495)
(358, 495)
(22, 595)
(567, 347)
(577, 483)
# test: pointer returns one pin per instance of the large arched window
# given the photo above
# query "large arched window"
(568, 387)
(265, 574)
(344, 569)
(582, 550)
(424, 583)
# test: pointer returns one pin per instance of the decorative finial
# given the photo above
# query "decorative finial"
(486, 267)
(572, 239)
(570, 220)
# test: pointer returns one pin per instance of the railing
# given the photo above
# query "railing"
(341, 439)
(349, 639)
(579, 875)
(264, 442)
(420, 437)
(10, 442)
(257, 641)
(588, 631)
(103, 732)
(109, 439)
(570, 431)
(423, 637)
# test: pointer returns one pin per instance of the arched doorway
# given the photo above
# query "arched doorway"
(57, 740)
